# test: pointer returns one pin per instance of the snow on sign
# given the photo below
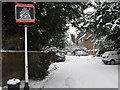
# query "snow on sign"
(24, 13)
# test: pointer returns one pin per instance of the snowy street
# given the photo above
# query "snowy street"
(80, 72)
(60, 45)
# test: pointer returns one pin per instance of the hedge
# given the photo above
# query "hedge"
(13, 65)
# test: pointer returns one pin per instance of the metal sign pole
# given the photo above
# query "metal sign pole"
(26, 62)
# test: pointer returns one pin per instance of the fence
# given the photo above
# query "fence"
(13, 64)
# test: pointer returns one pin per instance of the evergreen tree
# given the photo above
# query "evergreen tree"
(51, 19)
(58, 41)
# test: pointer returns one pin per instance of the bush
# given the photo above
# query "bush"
(13, 65)
(38, 65)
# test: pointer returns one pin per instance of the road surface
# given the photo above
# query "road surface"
(78, 72)
(83, 72)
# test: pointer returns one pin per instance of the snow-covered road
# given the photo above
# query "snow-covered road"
(79, 72)
(83, 72)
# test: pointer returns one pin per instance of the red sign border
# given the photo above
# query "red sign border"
(22, 4)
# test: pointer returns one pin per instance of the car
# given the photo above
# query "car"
(111, 57)
(81, 53)
(69, 53)
(99, 53)
(60, 57)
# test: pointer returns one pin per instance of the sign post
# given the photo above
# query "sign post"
(25, 13)
(26, 62)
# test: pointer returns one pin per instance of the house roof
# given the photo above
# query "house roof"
(88, 36)
(82, 36)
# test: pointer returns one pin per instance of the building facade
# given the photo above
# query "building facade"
(86, 42)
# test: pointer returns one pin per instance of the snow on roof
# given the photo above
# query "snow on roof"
(89, 36)
(82, 36)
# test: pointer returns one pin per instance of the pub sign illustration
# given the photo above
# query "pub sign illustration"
(24, 13)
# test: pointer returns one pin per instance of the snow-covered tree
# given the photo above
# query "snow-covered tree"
(108, 24)
(103, 22)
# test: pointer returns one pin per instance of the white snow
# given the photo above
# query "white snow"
(13, 81)
(0, 88)
(108, 24)
(72, 30)
(82, 36)
(93, 3)
(98, 17)
(79, 72)
(100, 20)
(89, 10)
(117, 20)
(83, 72)
(86, 25)
(113, 26)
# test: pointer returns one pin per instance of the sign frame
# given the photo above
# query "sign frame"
(21, 5)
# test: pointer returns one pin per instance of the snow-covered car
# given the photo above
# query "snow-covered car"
(69, 53)
(60, 57)
(111, 57)
(81, 53)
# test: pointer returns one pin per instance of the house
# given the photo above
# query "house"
(86, 42)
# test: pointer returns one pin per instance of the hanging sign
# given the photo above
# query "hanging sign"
(24, 13)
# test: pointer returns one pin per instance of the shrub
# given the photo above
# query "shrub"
(38, 65)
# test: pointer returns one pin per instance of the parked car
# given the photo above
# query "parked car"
(111, 57)
(81, 53)
(99, 53)
(69, 53)
(60, 57)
